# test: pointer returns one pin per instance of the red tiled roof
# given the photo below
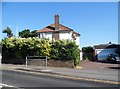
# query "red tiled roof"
(76, 33)
(45, 30)
(51, 28)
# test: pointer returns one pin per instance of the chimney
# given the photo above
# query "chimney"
(56, 22)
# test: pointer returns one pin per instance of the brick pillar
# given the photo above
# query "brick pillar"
(56, 22)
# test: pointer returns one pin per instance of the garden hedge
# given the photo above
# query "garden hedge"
(19, 48)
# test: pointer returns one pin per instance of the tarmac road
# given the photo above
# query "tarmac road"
(19, 79)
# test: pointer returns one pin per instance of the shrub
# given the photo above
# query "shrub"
(19, 48)
(65, 50)
(88, 53)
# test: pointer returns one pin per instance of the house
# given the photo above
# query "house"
(103, 50)
(58, 32)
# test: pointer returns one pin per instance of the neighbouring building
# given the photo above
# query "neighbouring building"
(103, 50)
(58, 32)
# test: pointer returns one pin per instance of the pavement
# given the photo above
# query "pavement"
(92, 71)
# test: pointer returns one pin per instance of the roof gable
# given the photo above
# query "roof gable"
(51, 28)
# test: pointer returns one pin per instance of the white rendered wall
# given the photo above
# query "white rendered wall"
(46, 35)
(78, 40)
(62, 35)
(65, 35)
(81, 56)
(49, 35)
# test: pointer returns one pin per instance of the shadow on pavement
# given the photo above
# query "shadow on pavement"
(114, 67)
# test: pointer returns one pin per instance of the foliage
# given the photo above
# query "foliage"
(8, 31)
(65, 50)
(88, 53)
(57, 49)
(26, 33)
(88, 49)
(21, 47)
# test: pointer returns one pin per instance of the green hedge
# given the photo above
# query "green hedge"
(65, 50)
(88, 53)
(19, 48)
(22, 47)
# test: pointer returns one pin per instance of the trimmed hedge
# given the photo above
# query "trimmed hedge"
(19, 48)
(88, 53)
(65, 50)
(22, 47)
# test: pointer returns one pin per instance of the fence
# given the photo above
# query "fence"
(40, 61)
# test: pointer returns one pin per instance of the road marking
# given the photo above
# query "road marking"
(5, 85)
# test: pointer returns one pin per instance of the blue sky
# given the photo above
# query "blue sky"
(97, 22)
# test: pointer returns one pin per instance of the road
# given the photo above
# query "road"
(19, 79)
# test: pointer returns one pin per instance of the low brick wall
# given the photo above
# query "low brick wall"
(54, 63)
(58, 63)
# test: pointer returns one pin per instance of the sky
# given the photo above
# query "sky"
(97, 22)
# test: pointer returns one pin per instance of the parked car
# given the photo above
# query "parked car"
(113, 58)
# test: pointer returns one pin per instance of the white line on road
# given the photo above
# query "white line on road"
(5, 85)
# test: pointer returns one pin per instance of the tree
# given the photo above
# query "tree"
(33, 33)
(26, 33)
(8, 31)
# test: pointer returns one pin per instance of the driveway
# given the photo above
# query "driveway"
(98, 65)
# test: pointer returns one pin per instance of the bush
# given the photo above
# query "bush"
(65, 50)
(88, 53)
(22, 47)
(19, 48)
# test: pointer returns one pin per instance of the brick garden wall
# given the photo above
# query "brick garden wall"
(54, 63)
